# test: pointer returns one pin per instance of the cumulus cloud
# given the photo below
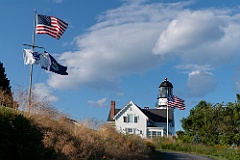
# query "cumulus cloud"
(137, 37)
(201, 80)
(43, 93)
(99, 103)
(119, 44)
(200, 83)
(189, 30)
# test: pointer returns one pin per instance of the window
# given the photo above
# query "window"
(129, 130)
(135, 119)
(159, 134)
(154, 134)
(130, 118)
(125, 119)
(163, 92)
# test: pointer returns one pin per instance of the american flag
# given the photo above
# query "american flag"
(170, 97)
(50, 25)
(177, 103)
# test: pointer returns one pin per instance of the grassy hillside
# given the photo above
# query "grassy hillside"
(33, 136)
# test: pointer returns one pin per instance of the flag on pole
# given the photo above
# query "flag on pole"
(54, 66)
(170, 97)
(30, 56)
(177, 103)
(45, 60)
(50, 25)
(34, 57)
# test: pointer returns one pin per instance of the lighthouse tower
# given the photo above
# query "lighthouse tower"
(165, 89)
(166, 93)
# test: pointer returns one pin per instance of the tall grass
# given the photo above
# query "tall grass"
(61, 138)
(65, 140)
(172, 143)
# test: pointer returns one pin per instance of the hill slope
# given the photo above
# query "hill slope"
(30, 136)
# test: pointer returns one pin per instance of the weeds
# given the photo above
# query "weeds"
(216, 151)
(64, 140)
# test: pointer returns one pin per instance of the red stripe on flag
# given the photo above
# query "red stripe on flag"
(177, 103)
(55, 29)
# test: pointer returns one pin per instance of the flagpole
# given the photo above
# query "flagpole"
(31, 65)
(167, 119)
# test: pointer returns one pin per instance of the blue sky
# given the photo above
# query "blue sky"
(122, 51)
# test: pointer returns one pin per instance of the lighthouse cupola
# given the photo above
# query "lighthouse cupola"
(165, 89)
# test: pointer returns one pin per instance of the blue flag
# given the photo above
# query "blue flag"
(55, 67)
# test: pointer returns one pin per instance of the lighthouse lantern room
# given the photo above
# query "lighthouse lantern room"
(165, 89)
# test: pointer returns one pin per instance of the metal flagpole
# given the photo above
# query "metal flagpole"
(31, 65)
(167, 118)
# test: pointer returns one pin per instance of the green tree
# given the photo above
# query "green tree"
(203, 122)
(213, 124)
(230, 123)
(6, 97)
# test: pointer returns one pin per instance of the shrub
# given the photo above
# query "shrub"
(20, 138)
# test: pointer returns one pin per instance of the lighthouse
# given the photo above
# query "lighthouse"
(165, 92)
(165, 95)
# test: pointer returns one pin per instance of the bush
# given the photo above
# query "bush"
(20, 139)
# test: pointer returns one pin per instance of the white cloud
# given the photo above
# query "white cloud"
(137, 37)
(99, 103)
(203, 68)
(200, 83)
(189, 30)
(201, 80)
(43, 92)
(57, 1)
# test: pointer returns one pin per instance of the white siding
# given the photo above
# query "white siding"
(139, 127)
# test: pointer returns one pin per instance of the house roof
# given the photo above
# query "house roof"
(115, 112)
(156, 115)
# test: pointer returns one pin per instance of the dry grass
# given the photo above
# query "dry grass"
(89, 140)
(73, 141)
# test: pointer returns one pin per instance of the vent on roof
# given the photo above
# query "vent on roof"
(146, 107)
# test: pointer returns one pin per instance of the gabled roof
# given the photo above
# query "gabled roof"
(130, 103)
(156, 115)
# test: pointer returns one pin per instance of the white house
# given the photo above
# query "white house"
(145, 122)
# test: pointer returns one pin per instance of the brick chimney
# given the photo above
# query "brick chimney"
(112, 109)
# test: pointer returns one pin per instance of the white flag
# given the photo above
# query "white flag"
(30, 56)
(34, 57)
